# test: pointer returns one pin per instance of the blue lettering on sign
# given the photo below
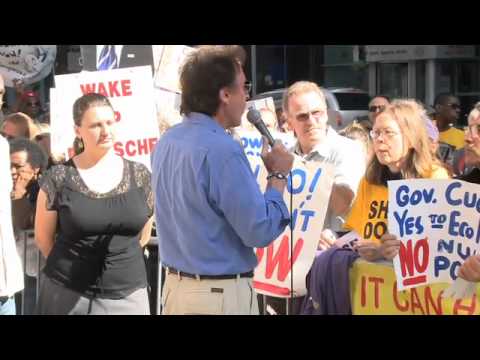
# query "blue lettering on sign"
(462, 229)
(448, 193)
(408, 224)
(403, 198)
(307, 214)
(443, 263)
(256, 171)
(313, 185)
(303, 178)
(255, 142)
(444, 245)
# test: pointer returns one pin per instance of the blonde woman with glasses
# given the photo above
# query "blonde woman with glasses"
(401, 151)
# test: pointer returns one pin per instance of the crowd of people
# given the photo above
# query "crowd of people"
(202, 195)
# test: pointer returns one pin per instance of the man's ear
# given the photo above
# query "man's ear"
(437, 107)
(75, 128)
(224, 95)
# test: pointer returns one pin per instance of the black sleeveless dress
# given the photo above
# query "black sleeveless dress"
(97, 251)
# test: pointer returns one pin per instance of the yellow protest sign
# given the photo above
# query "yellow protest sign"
(373, 288)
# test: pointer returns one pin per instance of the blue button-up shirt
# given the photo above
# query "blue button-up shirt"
(209, 210)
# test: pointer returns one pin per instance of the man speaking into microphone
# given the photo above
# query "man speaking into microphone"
(210, 213)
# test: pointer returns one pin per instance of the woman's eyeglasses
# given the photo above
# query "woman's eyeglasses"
(387, 133)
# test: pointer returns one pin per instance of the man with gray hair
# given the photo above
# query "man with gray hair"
(306, 110)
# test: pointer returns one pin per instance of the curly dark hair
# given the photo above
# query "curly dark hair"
(205, 72)
(36, 157)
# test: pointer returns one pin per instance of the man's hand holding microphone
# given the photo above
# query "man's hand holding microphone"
(278, 160)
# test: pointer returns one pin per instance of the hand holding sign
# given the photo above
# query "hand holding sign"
(368, 250)
(460, 289)
(390, 246)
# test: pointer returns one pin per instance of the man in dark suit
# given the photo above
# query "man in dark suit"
(126, 56)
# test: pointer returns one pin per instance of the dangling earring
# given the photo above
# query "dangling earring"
(78, 146)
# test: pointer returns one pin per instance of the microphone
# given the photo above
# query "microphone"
(255, 118)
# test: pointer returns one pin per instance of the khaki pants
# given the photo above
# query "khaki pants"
(186, 296)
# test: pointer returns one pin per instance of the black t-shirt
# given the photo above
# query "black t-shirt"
(97, 249)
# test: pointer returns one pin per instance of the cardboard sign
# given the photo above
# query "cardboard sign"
(130, 92)
(373, 289)
(170, 60)
(310, 185)
(437, 222)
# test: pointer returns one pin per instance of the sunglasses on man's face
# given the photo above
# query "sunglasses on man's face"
(376, 109)
(454, 106)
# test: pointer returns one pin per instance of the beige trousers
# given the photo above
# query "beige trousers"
(186, 296)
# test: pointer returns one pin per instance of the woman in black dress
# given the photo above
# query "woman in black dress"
(94, 215)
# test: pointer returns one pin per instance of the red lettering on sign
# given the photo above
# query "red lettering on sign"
(102, 89)
(412, 264)
(128, 150)
(110, 89)
(142, 147)
(118, 147)
(430, 301)
(400, 307)
(87, 88)
(118, 116)
(363, 293)
(151, 143)
(376, 281)
(134, 147)
(126, 88)
(416, 303)
(281, 260)
(470, 309)
(278, 290)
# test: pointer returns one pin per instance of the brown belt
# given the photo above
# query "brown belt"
(170, 270)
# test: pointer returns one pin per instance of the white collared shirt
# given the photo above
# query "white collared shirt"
(349, 163)
(11, 275)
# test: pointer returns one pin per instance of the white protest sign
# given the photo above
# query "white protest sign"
(310, 183)
(27, 63)
(437, 222)
(130, 91)
(170, 60)
(263, 105)
(252, 141)
(168, 108)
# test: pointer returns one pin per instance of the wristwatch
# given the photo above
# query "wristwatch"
(277, 175)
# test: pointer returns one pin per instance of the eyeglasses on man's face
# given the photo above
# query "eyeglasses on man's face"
(376, 108)
(454, 106)
(385, 133)
(247, 87)
(317, 114)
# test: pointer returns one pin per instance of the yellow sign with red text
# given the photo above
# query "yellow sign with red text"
(373, 288)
